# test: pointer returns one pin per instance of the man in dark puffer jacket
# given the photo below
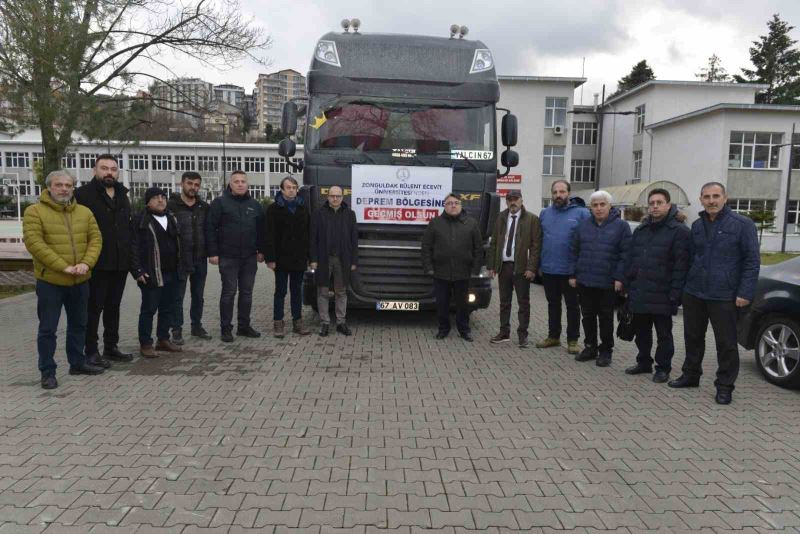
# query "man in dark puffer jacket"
(599, 246)
(655, 273)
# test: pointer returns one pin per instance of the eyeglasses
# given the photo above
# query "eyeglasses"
(453, 203)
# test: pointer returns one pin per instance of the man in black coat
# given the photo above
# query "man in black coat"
(452, 251)
(287, 250)
(156, 266)
(234, 241)
(191, 211)
(108, 200)
(655, 273)
(334, 254)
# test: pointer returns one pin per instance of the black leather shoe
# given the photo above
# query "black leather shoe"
(723, 396)
(588, 353)
(86, 369)
(49, 382)
(227, 336)
(117, 355)
(199, 331)
(638, 369)
(98, 361)
(247, 331)
(441, 334)
(684, 381)
(660, 377)
(604, 360)
(466, 336)
(324, 329)
(177, 337)
(342, 328)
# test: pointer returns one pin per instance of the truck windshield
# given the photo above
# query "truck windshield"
(449, 130)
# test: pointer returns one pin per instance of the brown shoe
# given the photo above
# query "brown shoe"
(147, 351)
(167, 346)
(298, 328)
(278, 328)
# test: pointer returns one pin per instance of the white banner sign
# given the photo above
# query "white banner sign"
(391, 194)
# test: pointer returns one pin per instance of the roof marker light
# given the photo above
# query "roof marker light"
(326, 52)
(482, 61)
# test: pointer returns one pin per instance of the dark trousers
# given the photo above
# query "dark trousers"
(556, 287)
(164, 300)
(509, 283)
(197, 285)
(722, 314)
(236, 273)
(597, 306)
(665, 348)
(442, 290)
(50, 299)
(105, 295)
(293, 281)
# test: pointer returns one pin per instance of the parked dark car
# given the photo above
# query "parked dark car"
(771, 325)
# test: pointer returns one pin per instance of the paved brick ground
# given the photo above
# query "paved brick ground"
(387, 431)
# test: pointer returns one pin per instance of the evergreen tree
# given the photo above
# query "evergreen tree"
(777, 64)
(640, 73)
(714, 71)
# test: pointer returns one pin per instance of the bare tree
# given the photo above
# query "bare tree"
(714, 71)
(65, 59)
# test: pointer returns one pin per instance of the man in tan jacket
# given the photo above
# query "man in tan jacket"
(65, 242)
(514, 256)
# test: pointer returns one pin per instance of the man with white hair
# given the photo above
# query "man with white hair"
(65, 242)
(600, 249)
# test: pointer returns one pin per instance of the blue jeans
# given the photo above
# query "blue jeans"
(294, 280)
(197, 286)
(75, 300)
(163, 300)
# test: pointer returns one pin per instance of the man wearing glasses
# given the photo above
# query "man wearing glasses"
(334, 254)
(452, 253)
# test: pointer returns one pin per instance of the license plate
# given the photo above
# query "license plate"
(396, 305)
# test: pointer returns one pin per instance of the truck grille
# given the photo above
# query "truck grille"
(391, 273)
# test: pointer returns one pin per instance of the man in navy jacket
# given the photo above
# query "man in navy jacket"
(721, 281)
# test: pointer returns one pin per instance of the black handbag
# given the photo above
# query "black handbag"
(626, 329)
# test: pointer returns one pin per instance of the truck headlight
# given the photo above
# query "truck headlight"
(326, 52)
(472, 298)
(482, 61)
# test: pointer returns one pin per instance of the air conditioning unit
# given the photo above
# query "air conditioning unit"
(558, 130)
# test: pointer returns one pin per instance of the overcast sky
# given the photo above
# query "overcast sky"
(532, 37)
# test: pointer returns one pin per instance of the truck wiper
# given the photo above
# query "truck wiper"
(343, 161)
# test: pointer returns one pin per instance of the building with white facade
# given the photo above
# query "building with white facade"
(230, 94)
(182, 96)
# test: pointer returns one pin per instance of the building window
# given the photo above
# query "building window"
(87, 161)
(277, 165)
(555, 112)
(796, 152)
(184, 163)
(582, 170)
(163, 185)
(637, 165)
(640, 111)
(162, 163)
(274, 190)
(69, 160)
(745, 205)
(138, 189)
(138, 162)
(793, 216)
(37, 157)
(584, 133)
(553, 160)
(20, 160)
(120, 161)
(27, 189)
(754, 150)
(546, 202)
(257, 191)
(207, 163)
(233, 163)
(253, 164)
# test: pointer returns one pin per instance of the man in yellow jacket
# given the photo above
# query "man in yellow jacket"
(65, 242)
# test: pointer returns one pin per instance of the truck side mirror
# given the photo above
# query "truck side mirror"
(289, 118)
(509, 158)
(287, 148)
(509, 130)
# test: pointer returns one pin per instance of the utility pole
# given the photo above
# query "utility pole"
(599, 117)
(788, 191)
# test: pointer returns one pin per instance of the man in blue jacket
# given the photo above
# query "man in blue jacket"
(600, 249)
(721, 281)
(558, 223)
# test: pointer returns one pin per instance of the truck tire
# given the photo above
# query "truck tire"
(777, 348)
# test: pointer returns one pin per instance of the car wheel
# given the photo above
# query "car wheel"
(778, 351)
